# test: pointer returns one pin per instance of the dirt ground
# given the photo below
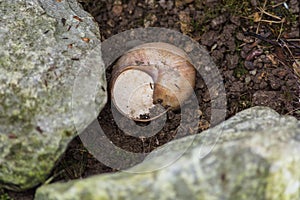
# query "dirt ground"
(255, 44)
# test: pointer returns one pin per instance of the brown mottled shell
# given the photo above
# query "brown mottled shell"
(163, 75)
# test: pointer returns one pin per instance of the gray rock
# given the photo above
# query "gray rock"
(50, 61)
(253, 155)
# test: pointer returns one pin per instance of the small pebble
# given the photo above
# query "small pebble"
(253, 3)
(247, 79)
(263, 85)
(111, 23)
(249, 65)
(117, 10)
(253, 72)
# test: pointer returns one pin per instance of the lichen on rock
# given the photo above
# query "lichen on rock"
(255, 156)
(44, 47)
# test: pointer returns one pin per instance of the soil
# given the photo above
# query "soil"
(257, 54)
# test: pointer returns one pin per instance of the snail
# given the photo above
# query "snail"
(150, 79)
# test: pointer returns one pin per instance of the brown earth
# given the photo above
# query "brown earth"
(255, 45)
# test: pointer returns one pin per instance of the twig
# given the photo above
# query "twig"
(270, 21)
(264, 7)
(295, 110)
(280, 31)
(269, 14)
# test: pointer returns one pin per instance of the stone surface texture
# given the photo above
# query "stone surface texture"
(47, 48)
(253, 155)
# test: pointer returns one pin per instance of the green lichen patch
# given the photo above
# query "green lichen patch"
(255, 157)
(37, 73)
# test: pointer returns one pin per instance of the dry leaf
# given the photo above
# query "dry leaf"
(256, 17)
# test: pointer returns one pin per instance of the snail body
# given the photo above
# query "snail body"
(151, 74)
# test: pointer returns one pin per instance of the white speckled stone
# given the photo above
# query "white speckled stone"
(42, 53)
(256, 156)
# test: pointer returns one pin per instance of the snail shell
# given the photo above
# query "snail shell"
(151, 74)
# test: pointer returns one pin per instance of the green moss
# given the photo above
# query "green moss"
(283, 181)
(245, 9)
(240, 70)
(233, 7)
(245, 101)
(5, 196)
(288, 95)
(237, 7)
(196, 26)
